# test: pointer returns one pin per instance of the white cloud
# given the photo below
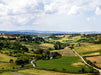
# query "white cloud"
(90, 18)
(98, 11)
(3, 10)
(74, 10)
(20, 12)
(26, 12)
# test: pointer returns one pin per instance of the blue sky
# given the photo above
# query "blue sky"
(50, 15)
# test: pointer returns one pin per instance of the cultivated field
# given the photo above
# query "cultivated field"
(89, 49)
(46, 46)
(96, 60)
(65, 52)
(69, 39)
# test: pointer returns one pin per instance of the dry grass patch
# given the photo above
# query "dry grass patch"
(46, 46)
(78, 64)
(65, 52)
(6, 58)
(96, 60)
(44, 72)
(97, 53)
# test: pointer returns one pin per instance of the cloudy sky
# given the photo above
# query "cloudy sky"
(50, 15)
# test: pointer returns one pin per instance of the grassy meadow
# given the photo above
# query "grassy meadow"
(65, 64)
(89, 49)
(4, 62)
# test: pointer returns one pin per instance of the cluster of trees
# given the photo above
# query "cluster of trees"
(38, 40)
(15, 47)
(91, 38)
(45, 55)
(23, 60)
(29, 38)
(73, 35)
(26, 38)
(59, 45)
(53, 36)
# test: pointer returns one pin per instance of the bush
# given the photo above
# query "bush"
(63, 69)
(54, 69)
(11, 61)
(55, 55)
(22, 60)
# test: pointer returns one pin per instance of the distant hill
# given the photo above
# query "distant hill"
(43, 32)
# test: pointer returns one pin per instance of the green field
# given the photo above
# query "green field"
(47, 46)
(59, 64)
(88, 49)
(69, 40)
(4, 61)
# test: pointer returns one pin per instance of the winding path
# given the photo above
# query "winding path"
(86, 62)
(33, 63)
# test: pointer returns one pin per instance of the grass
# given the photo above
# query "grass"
(4, 62)
(88, 49)
(59, 64)
(47, 45)
(93, 52)
(37, 72)
(6, 58)
(67, 39)
(6, 73)
(44, 72)
(32, 46)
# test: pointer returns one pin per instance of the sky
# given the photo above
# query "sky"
(50, 15)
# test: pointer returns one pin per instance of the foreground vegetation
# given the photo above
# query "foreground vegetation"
(39, 72)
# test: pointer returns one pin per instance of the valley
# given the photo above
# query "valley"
(53, 54)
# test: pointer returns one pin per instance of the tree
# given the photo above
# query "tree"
(11, 60)
(38, 40)
(63, 69)
(22, 60)
(1, 45)
(56, 46)
(38, 57)
(83, 70)
(79, 44)
(72, 46)
(55, 55)
(24, 48)
(40, 51)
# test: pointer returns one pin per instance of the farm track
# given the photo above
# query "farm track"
(33, 63)
(86, 62)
